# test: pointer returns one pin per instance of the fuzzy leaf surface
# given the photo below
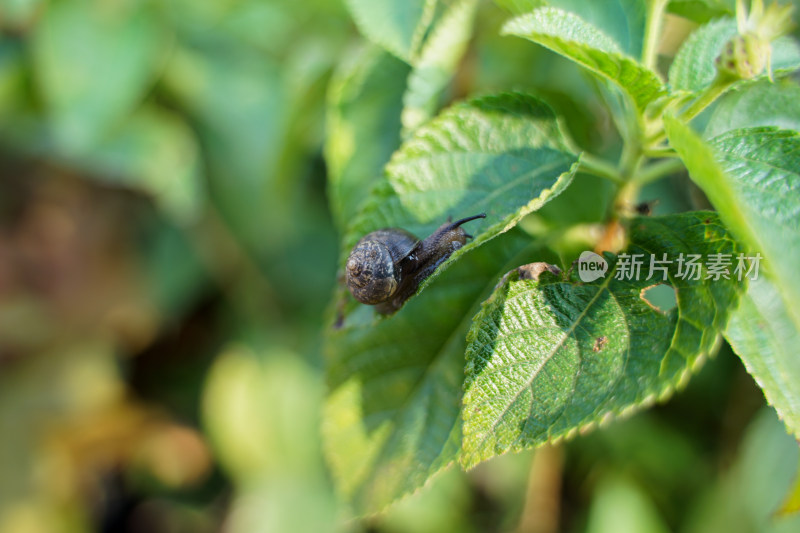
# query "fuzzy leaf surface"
(503, 155)
(570, 36)
(694, 67)
(391, 419)
(549, 358)
(751, 176)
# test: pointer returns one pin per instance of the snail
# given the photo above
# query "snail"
(386, 266)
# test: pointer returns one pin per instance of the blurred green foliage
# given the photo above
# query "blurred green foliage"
(167, 252)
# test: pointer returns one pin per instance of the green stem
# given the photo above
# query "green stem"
(705, 99)
(657, 153)
(630, 160)
(595, 166)
(652, 31)
(658, 170)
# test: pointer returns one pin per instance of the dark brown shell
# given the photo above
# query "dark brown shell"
(373, 270)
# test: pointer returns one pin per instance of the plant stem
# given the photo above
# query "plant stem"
(706, 98)
(652, 31)
(660, 152)
(595, 166)
(658, 170)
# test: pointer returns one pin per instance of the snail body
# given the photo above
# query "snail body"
(386, 266)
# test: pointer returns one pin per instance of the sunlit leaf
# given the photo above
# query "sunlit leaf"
(751, 176)
(622, 20)
(262, 413)
(700, 11)
(391, 419)
(567, 34)
(694, 67)
(549, 358)
(503, 155)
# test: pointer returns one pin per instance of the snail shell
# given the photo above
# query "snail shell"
(386, 266)
(373, 268)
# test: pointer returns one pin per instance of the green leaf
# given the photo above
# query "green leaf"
(694, 66)
(620, 505)
(749, 492)
(397, 25)
(700, 11)
(261, 411)
(567, 34)
(549, 358)
(391, 419)
(622, 20)
(93, 66)
(762, 334)
(241, 108)
(503, 155)
(154, 152)
(438, 61)
(365, 100)
(754, 183)
(758, 103)
(520, 6)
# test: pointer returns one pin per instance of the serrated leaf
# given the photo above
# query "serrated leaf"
(567, 34)
(503, 155)
(622, 20)
(751, 177)
(549, 358)
(763, 335)
(437, 63)
(694, 66)
(93, 66)
(758, 103)
(397, 25)
(365, 101)
(391, 419)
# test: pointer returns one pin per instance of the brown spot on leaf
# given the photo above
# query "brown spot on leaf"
(534, 270)
(599, 343)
